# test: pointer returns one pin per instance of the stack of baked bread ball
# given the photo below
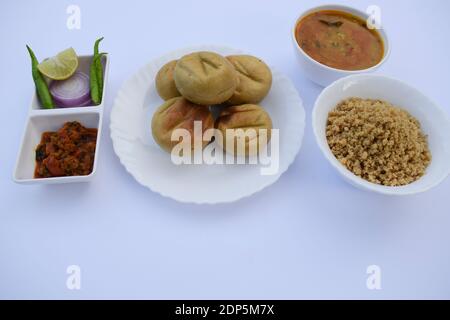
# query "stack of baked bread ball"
(197, 81)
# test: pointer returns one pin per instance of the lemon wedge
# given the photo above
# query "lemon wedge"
(61, 66)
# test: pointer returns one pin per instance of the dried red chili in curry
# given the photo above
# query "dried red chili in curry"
(70, 151)
(339, 40)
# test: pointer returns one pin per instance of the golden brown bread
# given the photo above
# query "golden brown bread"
(248, 117)
(165, 84)
(255, 79)
(178, 113)
(205, 78)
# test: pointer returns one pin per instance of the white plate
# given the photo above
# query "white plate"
(152, 167)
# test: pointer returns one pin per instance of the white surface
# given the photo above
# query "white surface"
(434, 123)
(310, 235)
(324, 75)
(133, 143)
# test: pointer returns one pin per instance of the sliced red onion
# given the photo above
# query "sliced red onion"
(72, 92)
(88, 102)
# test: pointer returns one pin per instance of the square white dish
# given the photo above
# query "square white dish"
(41, 120)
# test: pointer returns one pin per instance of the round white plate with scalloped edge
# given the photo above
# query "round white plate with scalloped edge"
(133, 143)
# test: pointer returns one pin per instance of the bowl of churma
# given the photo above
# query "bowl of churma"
(383, 135)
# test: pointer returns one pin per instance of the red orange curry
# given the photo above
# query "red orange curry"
(339, 40)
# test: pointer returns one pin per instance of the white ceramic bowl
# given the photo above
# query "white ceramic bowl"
(324, 75)
(41, 120)
(434, 121)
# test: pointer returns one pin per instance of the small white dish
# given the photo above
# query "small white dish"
(133, 143)
(41, 120)
(38, 124)
(434, 122)
(324, 75)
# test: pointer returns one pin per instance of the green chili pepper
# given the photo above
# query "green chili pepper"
(94, 84)
(98, 67)
(41, 86)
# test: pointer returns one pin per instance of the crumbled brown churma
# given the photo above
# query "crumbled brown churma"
(378, 142)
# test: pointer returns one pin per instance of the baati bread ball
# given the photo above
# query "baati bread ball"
(205, 78)
(248, 117)
(179, 113)
(255, 79)
(165, 84)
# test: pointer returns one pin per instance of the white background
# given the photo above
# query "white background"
(310, 235)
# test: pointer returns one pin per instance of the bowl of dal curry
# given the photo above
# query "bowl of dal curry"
(335, 41)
